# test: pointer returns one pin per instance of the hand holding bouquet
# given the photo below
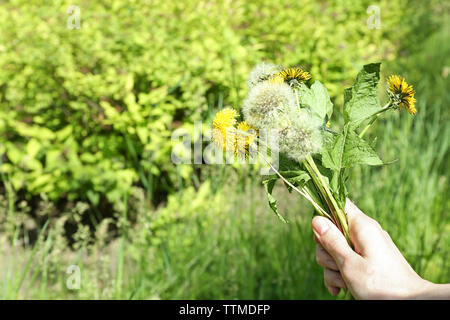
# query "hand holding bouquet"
(313, 160)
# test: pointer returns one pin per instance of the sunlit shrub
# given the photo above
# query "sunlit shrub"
(86, 113)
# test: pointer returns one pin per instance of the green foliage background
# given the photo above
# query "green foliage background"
(90, 111)
(86, 118)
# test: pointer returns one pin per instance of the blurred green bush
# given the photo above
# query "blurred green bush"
(88, 113)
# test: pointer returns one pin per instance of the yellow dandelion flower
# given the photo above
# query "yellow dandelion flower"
(295, 73)
(230, 138)
(402, 93)
(224, 132)
(225, 139)
(225, 118)
(246, 136)
(244, 126)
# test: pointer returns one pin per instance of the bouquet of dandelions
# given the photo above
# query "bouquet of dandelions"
(313, 160)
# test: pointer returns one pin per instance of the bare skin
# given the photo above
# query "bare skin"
(376, 269)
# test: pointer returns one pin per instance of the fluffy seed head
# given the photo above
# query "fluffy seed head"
(262, 72)
(267, 105)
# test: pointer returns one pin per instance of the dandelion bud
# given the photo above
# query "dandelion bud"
(267, 105)
(262, 72)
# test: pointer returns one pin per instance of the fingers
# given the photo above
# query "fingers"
(365, 232)
(333, 279)
(333, 290)
(332, 240)
(324, 259)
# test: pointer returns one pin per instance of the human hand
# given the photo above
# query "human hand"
(375, 270)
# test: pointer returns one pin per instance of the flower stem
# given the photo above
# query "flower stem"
(340, 219)
(305, 192)
(337, 212)
(375, 117)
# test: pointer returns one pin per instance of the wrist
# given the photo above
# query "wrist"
(423, 289)
(429, 290)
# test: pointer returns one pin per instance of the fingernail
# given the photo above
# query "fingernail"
(320, 226)
(316, 238)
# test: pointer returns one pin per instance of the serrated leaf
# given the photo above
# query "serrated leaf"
(361, 100)
(268, 186)
(358, 151)
(298, 178)
(347, 149)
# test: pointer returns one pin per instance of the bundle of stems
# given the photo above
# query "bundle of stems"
(318, 193)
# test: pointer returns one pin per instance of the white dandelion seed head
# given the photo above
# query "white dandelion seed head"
(262, 72)
(267, 105)
(300, 139)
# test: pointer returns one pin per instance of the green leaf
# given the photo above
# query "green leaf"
(358, 151)
(43, 179)
(338, 186)
(346, 150)
(64, 133)
(361, 100)
(297, 177)
(14, 154)
(332, 152)
(287, 164)
(94, 197)
(268, 185)
(342, 151)
(33, 147)
(373, 144)
(317, 100)
(292, 171)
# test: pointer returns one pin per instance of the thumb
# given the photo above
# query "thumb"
(332, 240)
